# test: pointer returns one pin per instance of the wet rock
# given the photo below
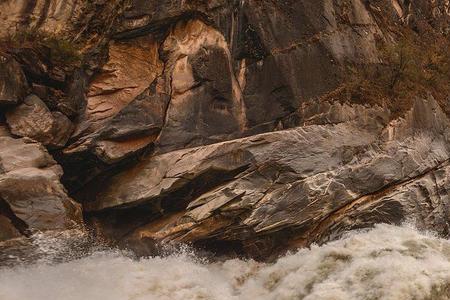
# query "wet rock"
(13, 84)
(34, 120)
(7, 229)
(30, 189)
(292, 185)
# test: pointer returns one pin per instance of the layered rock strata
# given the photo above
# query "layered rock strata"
(243, 127)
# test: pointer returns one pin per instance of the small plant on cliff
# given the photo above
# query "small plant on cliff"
(59, 50)
(407, 68)
(62, 50)
(401, 65)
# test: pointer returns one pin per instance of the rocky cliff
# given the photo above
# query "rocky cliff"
(242, 127)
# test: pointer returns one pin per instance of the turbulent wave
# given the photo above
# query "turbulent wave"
(386, 262)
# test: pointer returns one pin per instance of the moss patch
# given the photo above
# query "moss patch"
(60, 51)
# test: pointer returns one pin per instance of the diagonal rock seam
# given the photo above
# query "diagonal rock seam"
(312, 236)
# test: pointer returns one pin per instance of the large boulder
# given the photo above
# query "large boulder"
(34, 120)
(31, 195)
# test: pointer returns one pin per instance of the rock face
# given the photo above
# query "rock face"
(13, 85)
(246, 127)
(212, 84)
(122, 114)
(31, 196)
(309, 183)
(34, 120)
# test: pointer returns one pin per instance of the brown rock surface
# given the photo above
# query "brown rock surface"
(13, 85)
(117, 94)
(7, 229)
(34, 120)
(31, 195)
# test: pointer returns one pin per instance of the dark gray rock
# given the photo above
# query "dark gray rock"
(293, 187)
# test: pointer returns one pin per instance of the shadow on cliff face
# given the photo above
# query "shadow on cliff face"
(119, 222)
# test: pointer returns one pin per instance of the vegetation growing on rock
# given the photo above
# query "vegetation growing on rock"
(410, 67)
(57, 49)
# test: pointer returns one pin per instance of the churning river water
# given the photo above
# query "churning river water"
(387, 262)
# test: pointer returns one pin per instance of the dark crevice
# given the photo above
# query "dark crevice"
(81, 169)
(6, 211)
(221, 248)
(159, 28)
(117, 224)
(201, 184)
(123, 221)
(37, 68)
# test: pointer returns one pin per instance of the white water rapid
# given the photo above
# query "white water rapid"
(387, 262)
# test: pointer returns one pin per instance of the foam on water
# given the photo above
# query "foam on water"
(386, 262)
